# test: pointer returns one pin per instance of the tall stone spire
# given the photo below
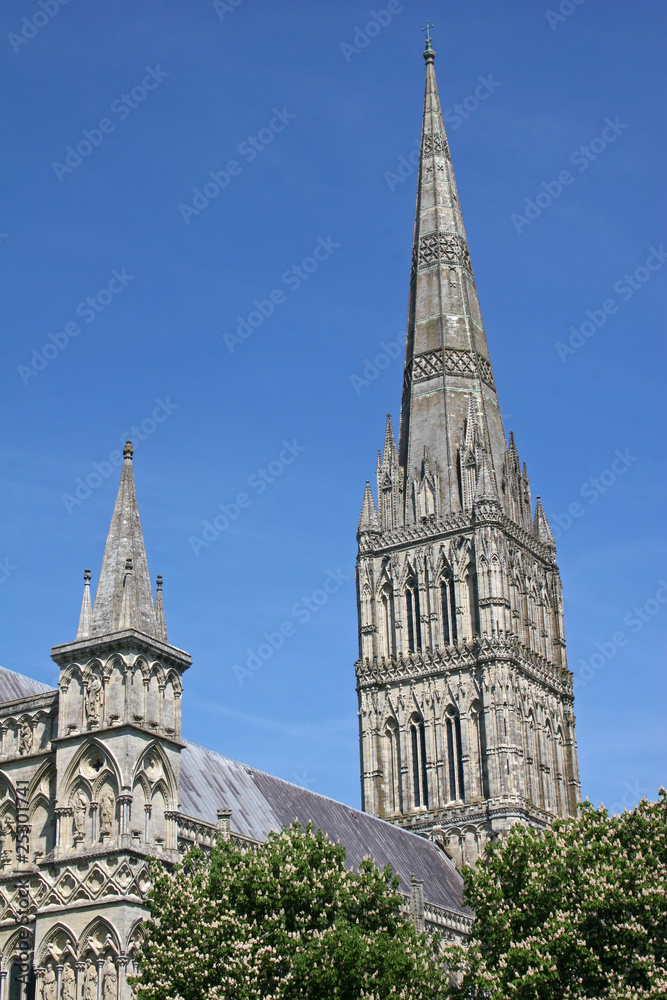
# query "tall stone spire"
(124, 598)
(466, 715)
(447, 358)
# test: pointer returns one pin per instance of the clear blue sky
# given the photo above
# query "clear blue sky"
(331, 122)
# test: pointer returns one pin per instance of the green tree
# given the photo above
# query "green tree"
(579, 910)
(284, 921)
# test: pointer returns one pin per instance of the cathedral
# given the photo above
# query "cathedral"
(465, 699)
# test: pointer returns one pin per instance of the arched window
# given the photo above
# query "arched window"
(448, 606)
(419, 778)
(392, 770)
(413, 616)
(455, 757)
(388, 622)
(471, 581)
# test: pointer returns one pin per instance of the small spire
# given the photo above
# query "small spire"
(126, 609)
(124, 600)
(486, 489)
(368, 520)
(389, 441)
(86, 616)
(541, 525)
(161, 628)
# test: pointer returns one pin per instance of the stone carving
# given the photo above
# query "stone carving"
(50, 985)
(90, 982)
(107, 812)
(68, 984)
(428, 365)
(435, 142)
(5, 832)
(25, 738)
(110, 981)
(440, 247)
(93, 702)
(79, 807)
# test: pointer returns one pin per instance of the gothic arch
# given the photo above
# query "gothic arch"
(155, 750)
(98, 936)
(75, 769)
(58, 943)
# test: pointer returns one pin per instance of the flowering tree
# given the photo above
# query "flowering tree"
(285, 921)
(577, 911)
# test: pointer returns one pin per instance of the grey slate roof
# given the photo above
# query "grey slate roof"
(261, 802)
(14, 686)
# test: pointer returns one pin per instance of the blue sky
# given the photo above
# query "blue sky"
(305, 119)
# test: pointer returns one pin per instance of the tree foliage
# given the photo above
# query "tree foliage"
(284, 921)
(579, 910)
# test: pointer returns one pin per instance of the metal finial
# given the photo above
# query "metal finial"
(128, 450)
(427, 29)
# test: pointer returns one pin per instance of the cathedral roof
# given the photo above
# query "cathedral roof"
(261, 802)
(14, 686)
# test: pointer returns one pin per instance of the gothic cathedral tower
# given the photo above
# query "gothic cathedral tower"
(465, 698)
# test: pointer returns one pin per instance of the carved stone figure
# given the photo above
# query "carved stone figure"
(107, 812)
(50, 984)
(68, 984)
(79, 807)
(93, 703)
(90, 982)
(25, 738)
(110, 981)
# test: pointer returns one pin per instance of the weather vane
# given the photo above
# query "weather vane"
(427, 29)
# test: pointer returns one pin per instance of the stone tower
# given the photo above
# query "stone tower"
(89, 783)
(465, 697)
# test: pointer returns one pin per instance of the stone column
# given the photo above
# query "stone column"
(123, 990)
(224, 817)
(59, 981)
(80, 973)
(100, 966)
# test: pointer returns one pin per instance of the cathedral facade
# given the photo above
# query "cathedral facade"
(95, 778)
(465, 698)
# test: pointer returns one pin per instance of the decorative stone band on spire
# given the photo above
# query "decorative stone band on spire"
(128, 450)
(439, 247)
